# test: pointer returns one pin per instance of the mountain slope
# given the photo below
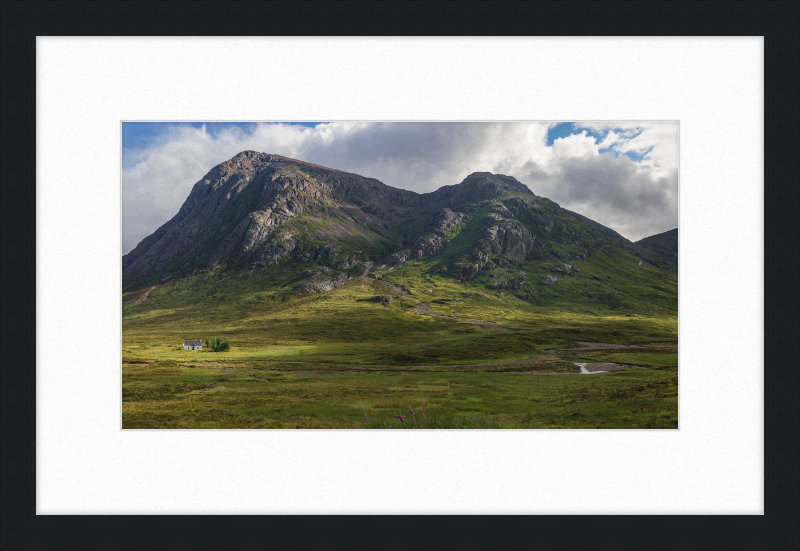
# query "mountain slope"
(664, 244)
(645, 253)
(314, 228)
(256, 208)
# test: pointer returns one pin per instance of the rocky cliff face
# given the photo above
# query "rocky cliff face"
(257, 211)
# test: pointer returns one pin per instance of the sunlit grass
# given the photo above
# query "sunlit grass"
(324, 360)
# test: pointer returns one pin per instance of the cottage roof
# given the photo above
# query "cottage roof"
(192, 343)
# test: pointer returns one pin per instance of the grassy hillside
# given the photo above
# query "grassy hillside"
(470, 357)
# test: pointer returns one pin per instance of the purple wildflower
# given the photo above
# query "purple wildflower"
(366, 419)
(411, 411)
(422, 412)
(400, 417)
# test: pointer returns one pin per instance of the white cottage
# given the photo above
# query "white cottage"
(192, 345)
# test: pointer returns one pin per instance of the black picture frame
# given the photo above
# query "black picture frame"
(778, 528)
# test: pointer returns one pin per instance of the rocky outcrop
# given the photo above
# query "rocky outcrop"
(505, 242)
(436, 230)
(564, 269)
(507, 279)
(399, 257)
(509, 238)
(476, 188)
(320, 285)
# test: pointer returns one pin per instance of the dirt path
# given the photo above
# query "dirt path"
(585, 368)
(370, 371)
(605, 345)
(499, 364)
(209, 366)
(143, 297)
(589, 346)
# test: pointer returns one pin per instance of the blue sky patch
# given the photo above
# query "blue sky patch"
(636, 157)
(564, 129)
(561, 130)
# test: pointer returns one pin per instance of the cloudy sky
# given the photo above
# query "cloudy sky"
(622, 174)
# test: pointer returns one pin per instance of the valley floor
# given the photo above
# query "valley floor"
(332, 360)
(164, 395)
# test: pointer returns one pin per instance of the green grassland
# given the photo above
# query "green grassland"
(398, 338)
(166, 395)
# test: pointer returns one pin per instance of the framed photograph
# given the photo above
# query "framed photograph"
(337, 301)
(482, 84)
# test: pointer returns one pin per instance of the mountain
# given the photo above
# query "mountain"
(646, 253)
(664, 244)
(312, 229)
(255, 209)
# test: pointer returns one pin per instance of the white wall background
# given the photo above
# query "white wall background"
(713, 464)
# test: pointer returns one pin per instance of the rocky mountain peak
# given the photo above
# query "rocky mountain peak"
(487, 178)
(245, 155)
(479, 186)
(493, 183)
(248, 162)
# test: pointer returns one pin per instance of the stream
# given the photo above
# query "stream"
(586, 371)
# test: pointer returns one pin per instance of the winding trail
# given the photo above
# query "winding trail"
(143, 297)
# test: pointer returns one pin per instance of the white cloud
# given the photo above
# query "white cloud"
(636, 199)
(575, 145)
(657, 140)
(611, 138)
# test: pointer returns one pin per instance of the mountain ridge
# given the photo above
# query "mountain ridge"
(260, 211)
(297, 189)
(639, 247)
(664, 244)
